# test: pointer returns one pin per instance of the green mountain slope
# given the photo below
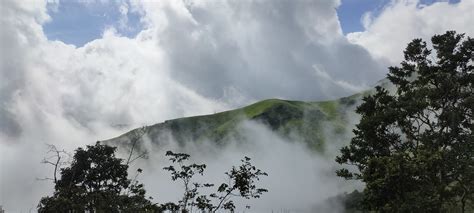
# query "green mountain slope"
(308, 122)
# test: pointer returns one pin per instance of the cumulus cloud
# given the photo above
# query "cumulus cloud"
(193, 57)
(263, 49)
(55, 93)
(403, 20)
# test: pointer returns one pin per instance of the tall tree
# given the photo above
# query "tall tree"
(414, 147)
(96, 181)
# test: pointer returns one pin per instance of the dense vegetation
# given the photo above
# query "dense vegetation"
(97, 181)
(414, 148)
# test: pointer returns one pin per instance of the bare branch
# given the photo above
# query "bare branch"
(135, 137)
(56, 160)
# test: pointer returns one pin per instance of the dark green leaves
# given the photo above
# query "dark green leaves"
(414, 147)
(96, 181)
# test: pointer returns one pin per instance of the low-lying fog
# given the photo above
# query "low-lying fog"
(299, 180)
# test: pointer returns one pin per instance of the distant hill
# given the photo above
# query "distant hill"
(307, 122)
(313, 123)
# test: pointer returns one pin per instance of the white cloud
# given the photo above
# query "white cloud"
(264, 49)
(55, 93)
(387, 34)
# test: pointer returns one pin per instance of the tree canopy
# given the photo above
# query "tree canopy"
(96, 181)
(413, 147)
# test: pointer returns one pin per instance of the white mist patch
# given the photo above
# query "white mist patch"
(21, 169)
(298, 180)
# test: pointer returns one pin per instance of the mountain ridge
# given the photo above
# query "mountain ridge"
(293, 120)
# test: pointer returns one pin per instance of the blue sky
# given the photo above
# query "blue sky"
(351, 11)
(78, 23)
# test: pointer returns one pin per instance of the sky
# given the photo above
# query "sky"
(73, 72)
(79, 22)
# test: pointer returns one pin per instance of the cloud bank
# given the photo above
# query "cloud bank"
(403, 20)
(260, 49)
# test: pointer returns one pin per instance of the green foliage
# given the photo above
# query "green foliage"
(293, 120)
(351, 202)
(241, 183)
(96, 181)
(185, 173)
(414, 149)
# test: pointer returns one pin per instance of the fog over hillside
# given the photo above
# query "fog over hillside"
(299, 159)
(194, 58)
(298, 180)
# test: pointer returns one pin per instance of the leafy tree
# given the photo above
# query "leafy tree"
(414, 148)
(350, 202)
(241, 183)
(96, 181)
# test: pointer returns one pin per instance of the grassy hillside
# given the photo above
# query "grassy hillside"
(307, 122)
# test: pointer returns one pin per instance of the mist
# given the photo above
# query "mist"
(299, 180)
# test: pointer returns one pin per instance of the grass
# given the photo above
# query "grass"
(286, 118)
(330, 108)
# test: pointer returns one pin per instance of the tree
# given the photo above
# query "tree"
(413, 148)
(96, 181)
(241, 183)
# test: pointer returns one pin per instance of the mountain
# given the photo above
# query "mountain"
(309, 122)
(314, 123)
